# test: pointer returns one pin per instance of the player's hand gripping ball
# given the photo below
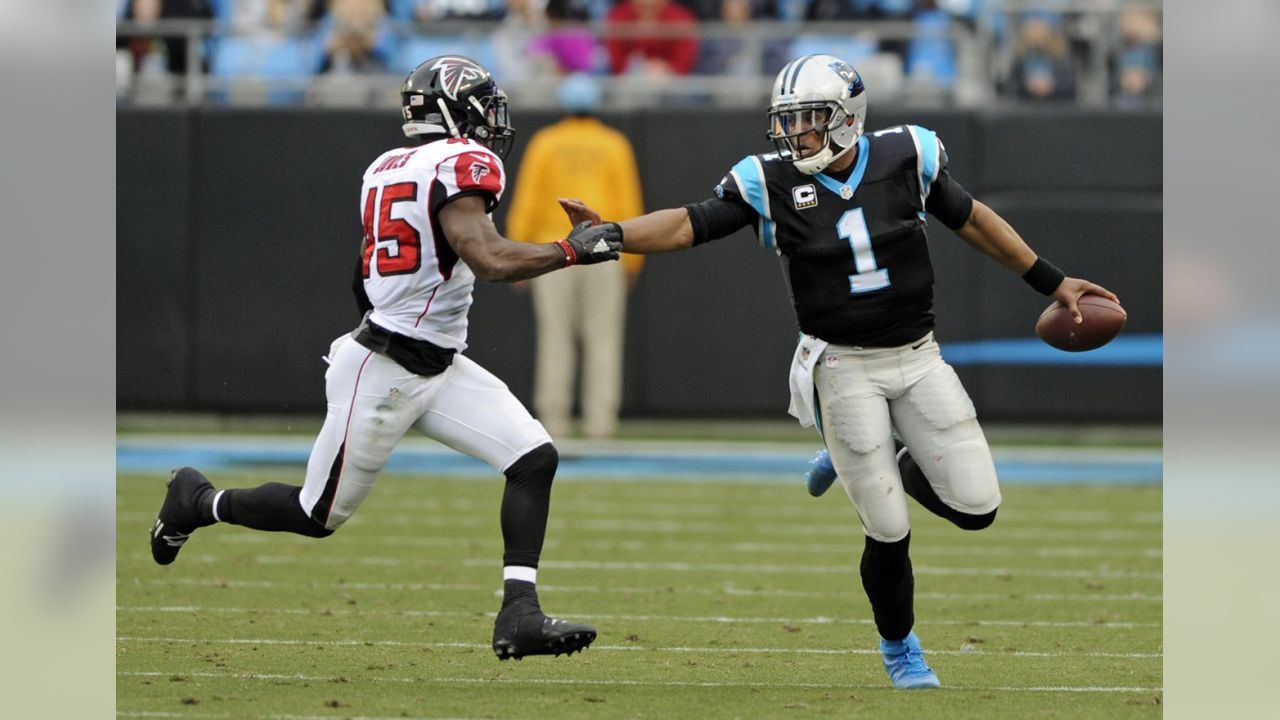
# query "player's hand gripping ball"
(1103, 320)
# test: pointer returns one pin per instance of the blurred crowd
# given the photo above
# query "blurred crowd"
(1040, 54)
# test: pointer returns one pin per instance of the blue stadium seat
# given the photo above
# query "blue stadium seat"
(265, 56)
(852, 50)
(401, 9)
(285, 64)
(222, 8)
(449, 9)
(416, 48)
(930, 54)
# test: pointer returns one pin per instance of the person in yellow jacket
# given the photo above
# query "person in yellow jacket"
(578, 157)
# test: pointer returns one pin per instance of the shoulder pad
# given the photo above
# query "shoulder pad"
(749, 176)
(893, 150)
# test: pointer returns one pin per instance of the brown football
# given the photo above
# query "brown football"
(1103, 320)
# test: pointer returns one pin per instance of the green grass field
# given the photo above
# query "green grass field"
(712, 599)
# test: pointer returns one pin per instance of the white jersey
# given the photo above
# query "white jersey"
(418, 285)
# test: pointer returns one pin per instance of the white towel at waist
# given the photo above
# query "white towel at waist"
(808, 350)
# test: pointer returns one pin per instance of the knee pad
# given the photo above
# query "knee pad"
(971, 486)
(887, 528)
(894, 535)
(877, 496)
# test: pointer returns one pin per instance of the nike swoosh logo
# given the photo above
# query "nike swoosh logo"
(918, 345)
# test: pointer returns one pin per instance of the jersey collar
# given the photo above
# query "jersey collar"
(846, 189)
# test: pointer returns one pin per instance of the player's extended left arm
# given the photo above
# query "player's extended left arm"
(991, 235)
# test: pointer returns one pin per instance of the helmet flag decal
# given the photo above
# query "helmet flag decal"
(454, 72)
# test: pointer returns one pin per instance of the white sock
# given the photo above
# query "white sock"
(520, 572)
(216, 498)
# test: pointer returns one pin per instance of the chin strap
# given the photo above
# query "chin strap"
(448, 119)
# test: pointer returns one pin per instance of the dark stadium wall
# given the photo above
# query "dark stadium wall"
(236, 230)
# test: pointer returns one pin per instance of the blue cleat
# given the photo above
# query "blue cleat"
(820, 474)
(904, 661)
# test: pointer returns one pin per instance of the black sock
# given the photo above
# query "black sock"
(918, 487)
(525, 505)
(518, 590)
(273, 507)
(890, 585)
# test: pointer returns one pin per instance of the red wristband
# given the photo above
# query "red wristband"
(570, 257)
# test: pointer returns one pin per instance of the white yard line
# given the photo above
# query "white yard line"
(629, 648)
(728, 589)
(690, 546)
(805, 509)
(743, 569)
(163, 714)
(640, 683)
(749, 568)
(829, 530)
(723, 619)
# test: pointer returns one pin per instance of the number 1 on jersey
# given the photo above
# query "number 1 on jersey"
(852, 226)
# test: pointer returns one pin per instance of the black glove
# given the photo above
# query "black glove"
(589, 244)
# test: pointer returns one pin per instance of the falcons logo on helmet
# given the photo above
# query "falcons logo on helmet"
(454, 72)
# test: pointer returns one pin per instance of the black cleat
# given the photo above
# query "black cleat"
(180, 514)
(522, 629)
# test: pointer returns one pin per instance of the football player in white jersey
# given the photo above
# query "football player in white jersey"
(427, 237)
(846, 214)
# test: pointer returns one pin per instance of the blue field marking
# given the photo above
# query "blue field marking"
(1140, 350)
(1040, 467)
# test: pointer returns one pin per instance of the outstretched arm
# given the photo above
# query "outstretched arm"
(656, 232)
(472, 235)
(674, 228)
(991, 235)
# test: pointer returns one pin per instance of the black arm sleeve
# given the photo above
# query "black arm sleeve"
(490, 200)
(357, 288)
(715, 218)
(949, 201)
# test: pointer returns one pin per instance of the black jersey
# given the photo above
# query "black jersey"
(855, 251)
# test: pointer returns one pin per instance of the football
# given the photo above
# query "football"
(1103, 320)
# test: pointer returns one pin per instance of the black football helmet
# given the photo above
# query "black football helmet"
(455, 96)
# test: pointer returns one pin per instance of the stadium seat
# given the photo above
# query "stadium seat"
(930, 55)
(401, 9)
(852, 49)
(416, 48)
(274, 66)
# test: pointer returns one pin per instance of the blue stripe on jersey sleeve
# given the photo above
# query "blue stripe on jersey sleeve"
(751, 177)
(927, 141)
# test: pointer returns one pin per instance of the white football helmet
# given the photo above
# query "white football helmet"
(818, 93)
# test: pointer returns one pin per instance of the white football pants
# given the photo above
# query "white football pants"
(866, 393)
(373, 402)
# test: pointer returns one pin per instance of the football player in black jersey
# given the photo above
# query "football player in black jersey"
(846, 212)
